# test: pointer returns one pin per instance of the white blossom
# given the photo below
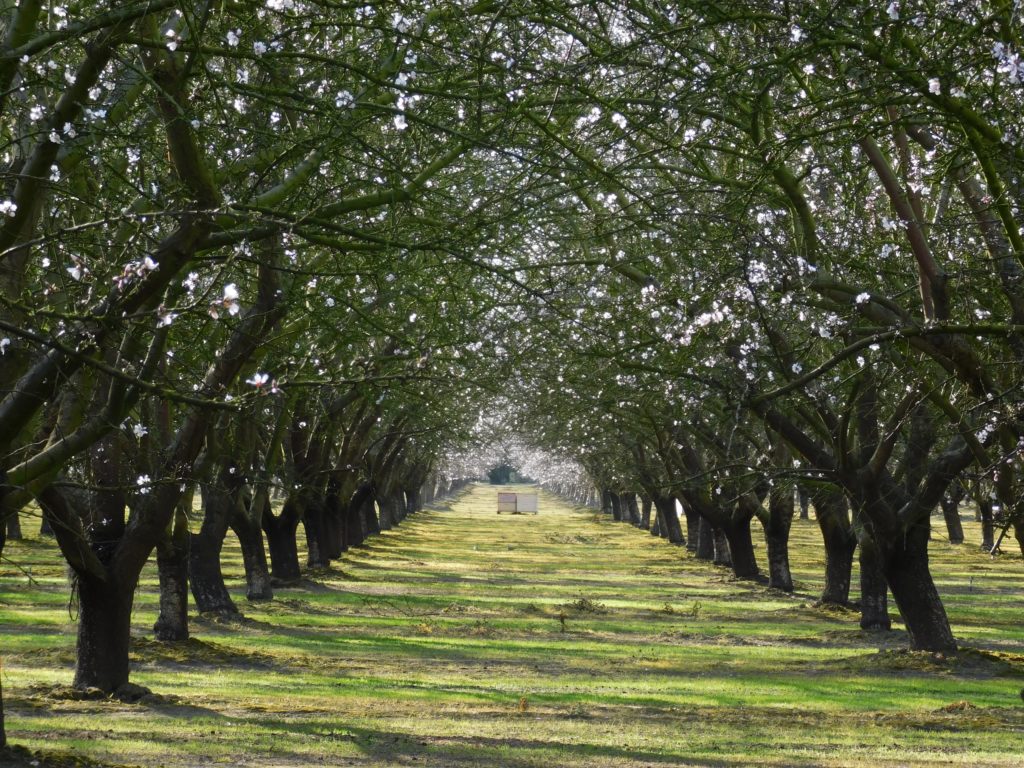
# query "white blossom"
(228, 302)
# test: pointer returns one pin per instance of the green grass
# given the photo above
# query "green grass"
(441, 644)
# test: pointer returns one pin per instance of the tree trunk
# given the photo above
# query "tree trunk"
(413, 500)
(205, 575)
(951, 513)
(645, 512)
(838, 571)
(44, 527)
(316, 533)
(656, 525)
(905, 564)
(722, 554)
(668, 520)
(354, 531)
(3, 540)
(705, 540)
(368, 515)
(874, 601)
(246, 525)
(616, 506)
(387, 522)
(630, 510)
(334, 524)
(804, 499)
(104, 624)
(282, 545)
(832, 513)
(396, 501)
(950, 503)
(776, 535)
(14, 527)
(172, 567)
(987, 524)
(741, 551)
(692, 527)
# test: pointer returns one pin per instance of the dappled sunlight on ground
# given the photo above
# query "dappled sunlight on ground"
(467, 638)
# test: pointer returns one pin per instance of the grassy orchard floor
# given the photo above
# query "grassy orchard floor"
(442, 644)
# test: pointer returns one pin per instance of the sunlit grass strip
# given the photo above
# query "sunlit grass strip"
(468, 638)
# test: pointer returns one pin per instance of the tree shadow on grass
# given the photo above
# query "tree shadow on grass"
(472, 751)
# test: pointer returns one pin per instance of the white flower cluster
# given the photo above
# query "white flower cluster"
(229, 302)
(1009, 63)
(135, 269)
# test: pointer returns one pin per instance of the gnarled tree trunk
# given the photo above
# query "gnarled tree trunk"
(668, 520)
(776, 534)
(692, 526)
(616, 503)
(741, 550)
(705, 540)
(840, 543)
(987, 524)
(13, 528)
(645, 512)
(104, 623)
(205, 575)
(722, 554)
(246, 524)
(630, 509)
(874, 599)
(172, 568)
(905, 564)
(281, 542)
(313, 519)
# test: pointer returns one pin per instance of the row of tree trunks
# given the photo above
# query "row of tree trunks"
(185, 560)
